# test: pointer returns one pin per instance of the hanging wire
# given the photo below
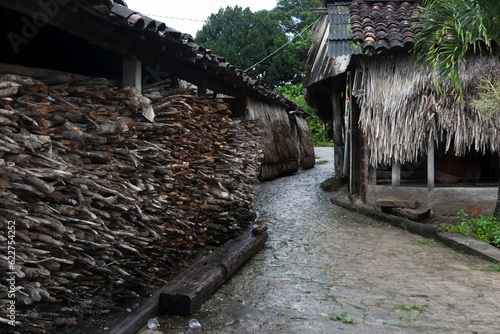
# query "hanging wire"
(281, 47)
(265, 58)
(174, 18)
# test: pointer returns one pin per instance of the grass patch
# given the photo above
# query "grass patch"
(321, 162)
(323, 144)
(485, 228)
(495, 267)
(343, 317)
(426, 241)
(404, 307)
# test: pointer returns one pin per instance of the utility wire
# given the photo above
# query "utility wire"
(175, 18)
(267, 57)
(281, 47)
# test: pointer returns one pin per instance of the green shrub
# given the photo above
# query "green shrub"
(485, 228)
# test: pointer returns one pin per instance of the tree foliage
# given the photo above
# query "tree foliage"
(295, 15)
(245, 38)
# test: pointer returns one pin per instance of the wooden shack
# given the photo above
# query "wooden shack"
(395, 133)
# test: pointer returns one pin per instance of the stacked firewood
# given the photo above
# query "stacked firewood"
(104, 198)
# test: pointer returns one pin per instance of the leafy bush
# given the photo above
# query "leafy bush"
(485, 228)
(488, 103)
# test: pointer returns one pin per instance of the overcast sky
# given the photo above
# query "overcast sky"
(198, 10)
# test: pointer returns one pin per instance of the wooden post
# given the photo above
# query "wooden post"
(132, 75)
(202, 90)
(396, 174)
(430, 164)
(372, 175)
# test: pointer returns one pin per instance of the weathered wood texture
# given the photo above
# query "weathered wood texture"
(188, 294)
(105, 201)
(191, 289)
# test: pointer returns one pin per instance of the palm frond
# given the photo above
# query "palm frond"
(450, 29)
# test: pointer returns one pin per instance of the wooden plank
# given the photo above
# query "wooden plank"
(189, 293)
(190, 290)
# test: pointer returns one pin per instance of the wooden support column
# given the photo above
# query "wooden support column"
(132, 75)
(396, 174)
(430, 165)
(372, 175)
(202, 90)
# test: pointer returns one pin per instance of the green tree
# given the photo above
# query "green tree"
(280, 36)
(452, 28)
(296, 19)
(295, 15)
(244, 38)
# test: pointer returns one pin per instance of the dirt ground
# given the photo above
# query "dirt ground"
(328, 270)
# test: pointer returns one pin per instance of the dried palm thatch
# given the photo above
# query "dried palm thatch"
(401, 109)
(306, 147)
(280, 150)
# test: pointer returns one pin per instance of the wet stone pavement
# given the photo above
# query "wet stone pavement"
(328, 270)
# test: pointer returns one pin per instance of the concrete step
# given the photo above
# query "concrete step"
(397, 202)
(411, 214)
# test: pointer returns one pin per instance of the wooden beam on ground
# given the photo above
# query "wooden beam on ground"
(188, 294)
(189, 291)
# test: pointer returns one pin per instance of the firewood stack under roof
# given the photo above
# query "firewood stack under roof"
(107, 202)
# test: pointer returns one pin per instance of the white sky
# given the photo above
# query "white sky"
(191, 9)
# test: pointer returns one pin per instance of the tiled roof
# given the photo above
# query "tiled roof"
(192, 52)
(359, 27)
(377, 27)
(373, 27)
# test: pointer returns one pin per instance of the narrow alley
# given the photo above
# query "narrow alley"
(328, 270)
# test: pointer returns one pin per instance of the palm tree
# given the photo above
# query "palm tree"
(451, 29)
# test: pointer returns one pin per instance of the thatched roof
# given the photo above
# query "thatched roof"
(306, 147)
(286, 143)
(400, 109)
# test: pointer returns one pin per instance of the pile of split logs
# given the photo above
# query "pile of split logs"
(104, 199)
